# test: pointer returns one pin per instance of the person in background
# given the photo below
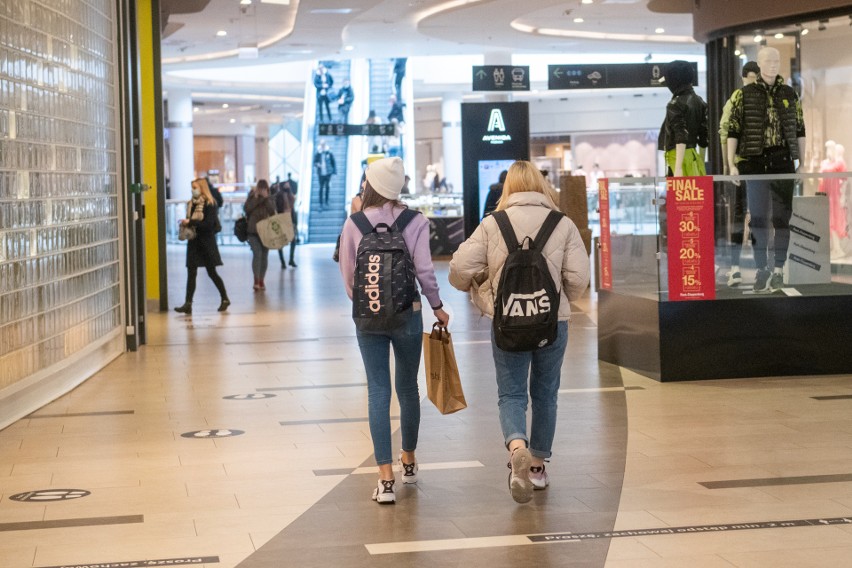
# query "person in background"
(323, 82)
(396, 110)
(325, 167)
(202, 214)
(292, 186)
(284, 203)
(384, 180)
(355, 206)
(259, 205)
(476, 267)
(345, 98)
(495, 190)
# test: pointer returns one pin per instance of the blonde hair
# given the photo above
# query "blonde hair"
(204, 189)
(524, 176)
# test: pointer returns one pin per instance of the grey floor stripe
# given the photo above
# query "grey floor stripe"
(634, 388)
(770, 481)
(327, 472)
(833, 397)
(308, 387)
(63, 523)
(78, 414)
(292, 361)
(329, 421)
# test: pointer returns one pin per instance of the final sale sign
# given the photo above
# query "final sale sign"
(691, 262)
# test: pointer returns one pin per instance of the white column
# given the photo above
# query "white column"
(181, 152)
(452, 139)
(261, 153)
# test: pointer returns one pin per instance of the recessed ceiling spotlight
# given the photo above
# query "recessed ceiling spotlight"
(579, 20)
(587, 1)
(221, 33)
(805, 31)
(779, 36)
(233, 120)
(195, 109)
(225, 105)
(349, 47)
(738, 52)
(758, 38)
(659, 31)
(245, 2)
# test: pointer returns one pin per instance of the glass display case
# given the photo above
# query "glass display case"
(444, 211)
(724, 277)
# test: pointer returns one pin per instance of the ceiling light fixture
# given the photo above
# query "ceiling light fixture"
(587, 1)
(233, 120)
(805, 31)
(659, 31)
(245, 2)
(195, 109)
(221, 33)
(758, 38)
(738, 52)
(225, 105)
(349, 47)
(779, 36)
(579, 20)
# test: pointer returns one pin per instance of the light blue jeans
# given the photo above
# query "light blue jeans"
(542, 369)
(407, 342)
(259, 256)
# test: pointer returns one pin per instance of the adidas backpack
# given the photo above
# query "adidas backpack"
(526, 307)
(384, 288)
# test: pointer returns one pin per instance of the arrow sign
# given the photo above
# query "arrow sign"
(481, 74)
(557, 72)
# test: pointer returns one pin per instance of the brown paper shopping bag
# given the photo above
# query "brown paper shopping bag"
(443, 384)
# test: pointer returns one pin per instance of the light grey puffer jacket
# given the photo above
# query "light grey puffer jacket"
(478, 263)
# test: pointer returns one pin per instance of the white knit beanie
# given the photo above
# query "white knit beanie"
(387, 176)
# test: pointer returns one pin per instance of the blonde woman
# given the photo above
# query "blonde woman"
(202, 214)
(476, 267)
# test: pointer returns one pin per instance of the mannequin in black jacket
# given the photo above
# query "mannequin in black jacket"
(684, 132)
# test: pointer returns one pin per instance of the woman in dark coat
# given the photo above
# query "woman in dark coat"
(202, 214)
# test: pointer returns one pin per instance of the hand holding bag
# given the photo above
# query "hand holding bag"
(443, 384)
(276, 231)
(186, 232)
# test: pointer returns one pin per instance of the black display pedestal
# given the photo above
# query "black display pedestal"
(728, 338)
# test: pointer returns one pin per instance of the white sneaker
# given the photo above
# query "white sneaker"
(520, 485)
(409, 471)
(539, 477)
(734, 279)
(383, 494)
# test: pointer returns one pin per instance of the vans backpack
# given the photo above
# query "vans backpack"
(526, 307)
(384, 287)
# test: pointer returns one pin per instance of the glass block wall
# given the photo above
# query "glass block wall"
(59, 208)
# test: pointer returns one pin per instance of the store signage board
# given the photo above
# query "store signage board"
(356, 129)
(606, 241)
(691, 250)
(501, 78)
(607, 76)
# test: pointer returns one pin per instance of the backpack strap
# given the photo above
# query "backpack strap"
(550, 222)
(506, 228)
(361, 221)
(404, 219)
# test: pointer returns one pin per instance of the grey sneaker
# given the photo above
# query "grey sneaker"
(776, 282)
(761, 280)
(538, 477)
(734, 279)
(520, 485)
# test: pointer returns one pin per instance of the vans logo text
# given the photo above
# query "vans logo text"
(526, 305)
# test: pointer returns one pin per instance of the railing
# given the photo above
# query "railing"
(230, 211)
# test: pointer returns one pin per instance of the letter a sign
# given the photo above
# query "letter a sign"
(496, 121)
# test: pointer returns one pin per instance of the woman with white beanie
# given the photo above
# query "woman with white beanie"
(384, 181)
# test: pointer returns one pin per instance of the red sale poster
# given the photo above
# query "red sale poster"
(606, 250)
(691, 250)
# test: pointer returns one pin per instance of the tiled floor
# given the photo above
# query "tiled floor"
(737, 473)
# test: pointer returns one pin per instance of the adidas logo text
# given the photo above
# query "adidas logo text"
(374, 267)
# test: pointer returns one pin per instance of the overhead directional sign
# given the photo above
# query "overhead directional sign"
(608, 76)
(357, 129)
(501, 78)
